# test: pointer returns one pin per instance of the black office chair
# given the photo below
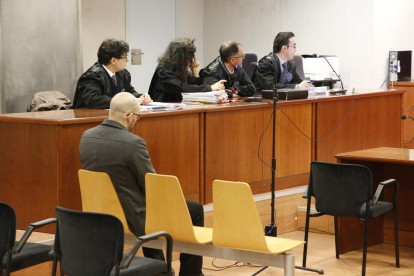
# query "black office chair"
(249, 58)
(92, 244)
(344, 190)
(15, 256)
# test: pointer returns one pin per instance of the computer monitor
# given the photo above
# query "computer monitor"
(316, 68)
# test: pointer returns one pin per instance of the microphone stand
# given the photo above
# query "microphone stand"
(271, 228)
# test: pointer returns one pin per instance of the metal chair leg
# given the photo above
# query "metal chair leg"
(305, 246)
(364, 256)
(336, 238)
(397, 245)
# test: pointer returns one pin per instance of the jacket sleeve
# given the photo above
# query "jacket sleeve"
(173, 85)
(296, 78)
(265, 73)
(140, 162)
(128, 87)
(246, 87)
(90, 90)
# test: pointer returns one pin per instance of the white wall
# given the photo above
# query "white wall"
(101, 19)
(360, 33)
(189, 23)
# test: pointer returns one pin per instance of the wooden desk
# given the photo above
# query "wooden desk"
(408, 109)
(384, 163)
(39, 164)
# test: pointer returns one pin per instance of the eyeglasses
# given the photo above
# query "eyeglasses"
(125, 57)
(294, 46)
(138, 115)
(242, 56)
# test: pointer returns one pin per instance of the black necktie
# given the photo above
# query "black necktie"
(284, 75)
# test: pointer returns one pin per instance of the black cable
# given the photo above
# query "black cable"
(384, 82)
(220, 268)
(411, 108)
(316, 230)
(260, 141)
(320, 140)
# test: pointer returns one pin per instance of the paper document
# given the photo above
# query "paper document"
(205, 97)
(160, 106)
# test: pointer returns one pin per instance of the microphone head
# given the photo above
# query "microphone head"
(254, 64)
(310, 56)
(404, 117)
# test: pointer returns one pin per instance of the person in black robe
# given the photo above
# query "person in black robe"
(228, 66)
(279, 65)
(106, 78)
(178, 72)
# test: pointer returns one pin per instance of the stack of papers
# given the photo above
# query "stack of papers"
(318, 90)
(161, 106)
(206, 97)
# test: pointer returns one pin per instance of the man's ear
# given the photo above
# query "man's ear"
(112, 61)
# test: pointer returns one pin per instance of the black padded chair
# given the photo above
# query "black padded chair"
(92, 244)
(345, 190)
(248, 59)
(15, 256)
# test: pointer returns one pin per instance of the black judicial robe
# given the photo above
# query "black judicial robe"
(268, 69)
(217, 71)
(167, 87)
(95, 89)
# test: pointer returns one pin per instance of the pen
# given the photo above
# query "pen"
(158, 107)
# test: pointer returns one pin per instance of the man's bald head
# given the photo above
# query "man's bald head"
(122, 104)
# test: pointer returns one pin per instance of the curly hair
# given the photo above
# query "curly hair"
(179, 53)
(111, 48)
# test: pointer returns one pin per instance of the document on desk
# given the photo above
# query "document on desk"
(161, 106)
(205, 97)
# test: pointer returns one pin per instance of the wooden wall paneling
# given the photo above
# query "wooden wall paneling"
(329, 116)
(28, 171)
(293, 150)
(231, 145)
(381, 122)
(174, 147)
(69, 163)
(408, 109)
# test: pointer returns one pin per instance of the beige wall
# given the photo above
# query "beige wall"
(101, 19)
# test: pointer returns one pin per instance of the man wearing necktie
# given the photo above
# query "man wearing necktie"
(279, 66)
(106, 78)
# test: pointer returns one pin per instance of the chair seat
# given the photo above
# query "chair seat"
(280, 245)
(203, 235)
(377, 210)
(143, 266)
(31, 254)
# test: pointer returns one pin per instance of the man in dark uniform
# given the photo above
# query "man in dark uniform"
(228, 66)
(112, 148)
(279, 65)
(106, 78)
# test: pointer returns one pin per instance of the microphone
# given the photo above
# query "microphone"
(318, 56)
(403, 117)
(254, 98)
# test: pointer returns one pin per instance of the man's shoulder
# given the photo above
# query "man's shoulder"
(112, 131)
(96, 71)
(214, 67)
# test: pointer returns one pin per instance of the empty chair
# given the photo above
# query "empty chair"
(345, 190)
(92, 244)
(167, 210)
(299, 66)
(15, 256)
(237, 223)
(248, 59)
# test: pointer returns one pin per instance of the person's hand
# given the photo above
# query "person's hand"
(218, 85)
(305, 84)
(145, 99)
(196, 68)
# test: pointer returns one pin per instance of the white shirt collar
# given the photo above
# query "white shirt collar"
(109, 71)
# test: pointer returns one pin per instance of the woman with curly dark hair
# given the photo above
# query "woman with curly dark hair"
(177, 72)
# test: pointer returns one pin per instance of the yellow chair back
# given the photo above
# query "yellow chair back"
(99, 195)
(168, 211)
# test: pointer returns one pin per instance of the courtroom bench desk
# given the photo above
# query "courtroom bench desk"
(198, 144)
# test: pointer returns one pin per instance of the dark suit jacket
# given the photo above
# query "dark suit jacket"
(94, 87)
(216, 71)
(263, 76)
(167, 87)
(111, 148)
